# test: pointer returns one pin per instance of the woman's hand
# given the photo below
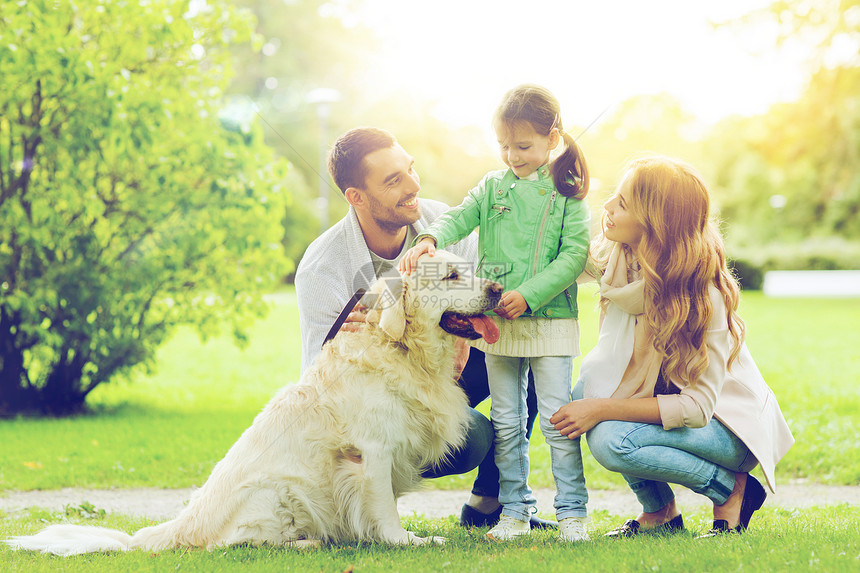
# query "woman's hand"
(410, 258)
(577, 417)
(511, 305)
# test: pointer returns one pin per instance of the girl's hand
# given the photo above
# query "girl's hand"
(577, 417)
(511, 305)
(410, 258)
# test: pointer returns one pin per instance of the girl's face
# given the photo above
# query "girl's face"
(523, 149)
(619, 224)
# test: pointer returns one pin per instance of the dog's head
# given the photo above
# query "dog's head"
(445, 289)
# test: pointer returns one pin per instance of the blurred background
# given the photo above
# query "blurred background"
(762, 96)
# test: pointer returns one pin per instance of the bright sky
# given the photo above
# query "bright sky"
(592, 54)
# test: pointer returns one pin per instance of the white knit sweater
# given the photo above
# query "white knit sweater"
(527, 337)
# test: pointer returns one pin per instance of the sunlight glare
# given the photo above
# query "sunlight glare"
(465, 55)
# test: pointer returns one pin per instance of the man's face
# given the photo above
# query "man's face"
(391, 188)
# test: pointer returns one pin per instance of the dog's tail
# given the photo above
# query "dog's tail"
(65, 539)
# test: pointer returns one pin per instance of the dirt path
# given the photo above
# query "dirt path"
(165, 503)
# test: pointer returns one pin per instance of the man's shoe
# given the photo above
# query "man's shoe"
(471, 517)
(631, 527)
(536, 522)
(508, 528)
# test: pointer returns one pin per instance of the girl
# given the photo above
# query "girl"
(534, 234)
(671, 391)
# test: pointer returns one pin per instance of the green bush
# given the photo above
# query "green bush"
(751, 263)
(749, 276)
(125, 207)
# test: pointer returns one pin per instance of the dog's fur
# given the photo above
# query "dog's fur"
(327, 458)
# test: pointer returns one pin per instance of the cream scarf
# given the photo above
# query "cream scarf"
(624, 364)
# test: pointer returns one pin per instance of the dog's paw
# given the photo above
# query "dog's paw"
(432, 540)
(415, 540)
(404, 537)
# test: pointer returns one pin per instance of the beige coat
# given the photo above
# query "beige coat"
(737, 397)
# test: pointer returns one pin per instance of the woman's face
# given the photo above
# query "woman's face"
(619, 224)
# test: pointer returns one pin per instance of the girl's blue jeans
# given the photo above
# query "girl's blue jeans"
(552, 375)
(649, 458)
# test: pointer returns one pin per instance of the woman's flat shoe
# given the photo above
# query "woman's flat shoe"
(632, 527)
(754, 496)
(720, 527)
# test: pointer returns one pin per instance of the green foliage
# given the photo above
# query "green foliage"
(790, 175)
(311, 44)
(84, 510)
(749, 276)
(785, 178)
(306, 44)
(126, 207)
(830, 254)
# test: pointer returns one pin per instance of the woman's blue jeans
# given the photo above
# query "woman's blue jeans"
(649, 458)
(552, 374)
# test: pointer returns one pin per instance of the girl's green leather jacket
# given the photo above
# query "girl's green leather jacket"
(532, 239)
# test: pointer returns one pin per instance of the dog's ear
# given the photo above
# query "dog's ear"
(385, 302)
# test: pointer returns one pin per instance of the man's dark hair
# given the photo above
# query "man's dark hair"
(346, 158)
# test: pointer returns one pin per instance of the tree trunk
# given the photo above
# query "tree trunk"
(60, 396)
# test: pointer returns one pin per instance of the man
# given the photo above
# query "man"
(378, 179)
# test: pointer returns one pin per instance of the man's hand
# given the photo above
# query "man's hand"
(577, 417)
(511, 305)
(410, 258)
(355, 319)
(462, 349)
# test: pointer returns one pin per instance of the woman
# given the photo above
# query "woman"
(671, 393)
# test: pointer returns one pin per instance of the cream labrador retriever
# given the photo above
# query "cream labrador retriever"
(327, 458)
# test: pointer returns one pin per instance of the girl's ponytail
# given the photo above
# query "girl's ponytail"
(569, 170)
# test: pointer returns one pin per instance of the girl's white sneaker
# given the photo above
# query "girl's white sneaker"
(573, 529)
(508, 528)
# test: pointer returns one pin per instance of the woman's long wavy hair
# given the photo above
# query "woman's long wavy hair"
(681, 255)
(537, 106)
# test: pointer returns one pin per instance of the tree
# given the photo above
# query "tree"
(126, 208)
(831, 27)
(790, 175)
(310, 44)
(648, 123)
(307, 44)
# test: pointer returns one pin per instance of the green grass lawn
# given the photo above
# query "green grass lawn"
(782, 540)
